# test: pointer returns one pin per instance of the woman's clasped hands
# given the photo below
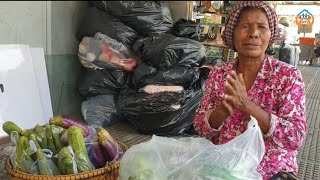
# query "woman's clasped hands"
(236, 96)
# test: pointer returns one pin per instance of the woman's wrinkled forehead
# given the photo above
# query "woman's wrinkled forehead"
(247, 9)
(247, 13)
(243, 6)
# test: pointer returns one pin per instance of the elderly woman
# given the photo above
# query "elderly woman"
(255, 84)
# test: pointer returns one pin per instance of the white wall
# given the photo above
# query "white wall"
(62, 25)
(23, 22)
(52, 25)
(48, 24)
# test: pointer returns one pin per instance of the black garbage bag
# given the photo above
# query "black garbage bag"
(167, 60)
(146, 17)
(100, 111)
(187, 28)
(96, 20)
(165, 113)
(164, 51)
(102, 81)
(177, 75)
(101, 5)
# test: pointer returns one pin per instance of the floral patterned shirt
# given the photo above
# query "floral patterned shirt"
(279, 90)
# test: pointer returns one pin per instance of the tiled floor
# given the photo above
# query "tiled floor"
(66, 100)
(309, 155)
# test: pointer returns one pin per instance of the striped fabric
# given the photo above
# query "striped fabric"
(233, 17)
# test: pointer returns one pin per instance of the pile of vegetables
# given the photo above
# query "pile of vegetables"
(64, 146)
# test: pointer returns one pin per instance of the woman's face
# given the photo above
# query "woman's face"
(252, 34)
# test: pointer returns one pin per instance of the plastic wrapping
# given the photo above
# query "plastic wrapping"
(11, 152)
(145, 17)
(160, 113)
(66, 161)
(164, 158)
(124, 51)
(45, 163)
(100, 111)
(56, 134)
(30, 166)
(152, 89)
(109, 146)
(77, 142)
(187, 28)
(100, 53)
(96, 20)
(53, 166)
(96, 155)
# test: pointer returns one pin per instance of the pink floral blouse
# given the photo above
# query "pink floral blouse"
(279, 90)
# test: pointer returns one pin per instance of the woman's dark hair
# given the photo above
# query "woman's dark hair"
(270, 51)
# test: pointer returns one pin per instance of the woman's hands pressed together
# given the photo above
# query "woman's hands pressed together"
(236, 96)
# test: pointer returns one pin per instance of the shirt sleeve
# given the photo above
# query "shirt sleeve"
(208, 103)
(288, 127)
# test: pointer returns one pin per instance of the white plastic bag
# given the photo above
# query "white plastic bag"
(195, 158)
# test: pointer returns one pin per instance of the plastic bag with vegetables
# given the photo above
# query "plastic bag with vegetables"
(95, 152)
(164, 158)
(46, 165)
(66, 161)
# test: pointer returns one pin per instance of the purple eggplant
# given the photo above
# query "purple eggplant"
(66, 122)
(111, 148)
(96, 154)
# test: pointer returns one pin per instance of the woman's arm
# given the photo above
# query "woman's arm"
(220, 114)
(288, 126)
(236, 94)
(208, 104)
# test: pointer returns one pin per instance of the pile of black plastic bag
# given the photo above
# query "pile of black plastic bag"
(140, 67)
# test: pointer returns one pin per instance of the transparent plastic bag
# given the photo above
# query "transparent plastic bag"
(11, 152)
(46, 164)
(95, 152)
(105, 53)
(152, 89)
(66, 161)
(27, 164)
(116, 46)
(164, 158)
(30, 165)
